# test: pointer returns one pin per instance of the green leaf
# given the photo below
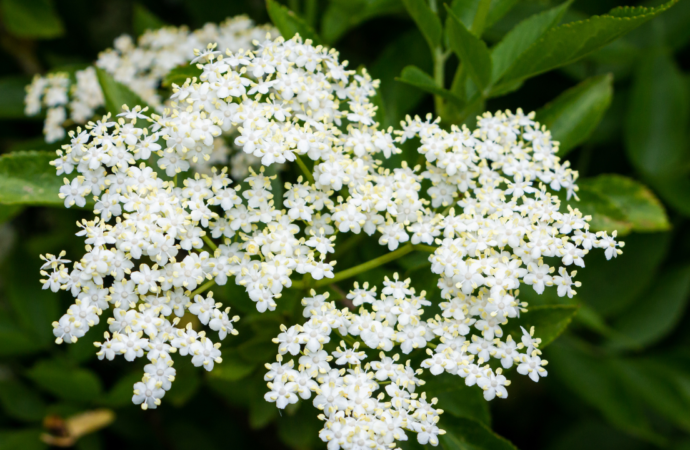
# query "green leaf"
(288, 23)
(117, 94)
(26, 439)
(33, 19)
(15, 341)
(12, 92)
(663, 386)
(569, 42)
(597, 381)
(341, 16)
(232, 368)
(658, 114)
(21, 402)
(575, 114)
(472, 51)
(416, 77)
(34, 308)
(121, 394)
(606, 215)
(606, 285)
(427, 21)
(9, 212)
(457, 399)
(657, 311)
(144, 20)
(522, 37)
(467, 434)
(499, 8)
(180, 74)
(261, 414)
(27, 178)
(258, 349)
(187, 382)
(300, 429)
(675, 190)
(466, 11)
(65, 382)
(549, 322)
(642, 210)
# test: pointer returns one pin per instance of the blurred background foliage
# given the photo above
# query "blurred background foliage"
(617, 97)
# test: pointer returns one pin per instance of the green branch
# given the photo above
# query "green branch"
(203, 288)
(352, 271)
(209, 242)
(304, 168)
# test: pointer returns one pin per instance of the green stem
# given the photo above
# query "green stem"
(203, 288)
(175, 180)
(439, 58)
(347, 245)
(209, 242)
(304, 168)
(351, 272)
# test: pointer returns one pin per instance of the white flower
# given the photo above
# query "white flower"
(532, 366)
(147, 394)
(161, 372)
(282, 393)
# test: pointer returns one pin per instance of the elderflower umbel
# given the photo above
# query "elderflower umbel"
(487, 219)
(140, 65)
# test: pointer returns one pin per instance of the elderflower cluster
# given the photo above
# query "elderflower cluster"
(365, 404)
(141, 66)
(480, 206)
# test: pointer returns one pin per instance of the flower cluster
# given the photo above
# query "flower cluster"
(343, 384)
(140, 66)
(480, 205)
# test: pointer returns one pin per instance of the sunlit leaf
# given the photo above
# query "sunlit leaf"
(569, 42)
(27, 178)
(522, 37)
(642, 210)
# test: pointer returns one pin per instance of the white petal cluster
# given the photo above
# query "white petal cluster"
(365, 403)
(140, 65)
(480, 205)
